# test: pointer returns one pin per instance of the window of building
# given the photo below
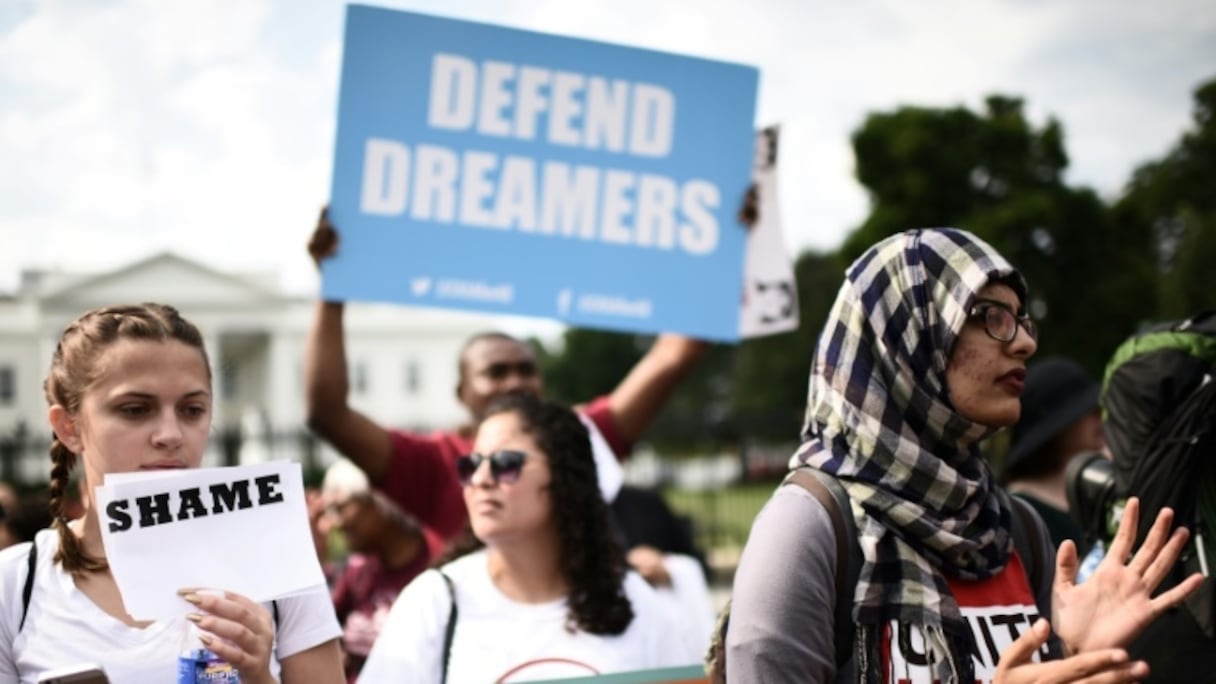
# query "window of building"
(8, 384)
(228, 381)
(413, 377)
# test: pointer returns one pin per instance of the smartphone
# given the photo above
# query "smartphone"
(76, 674)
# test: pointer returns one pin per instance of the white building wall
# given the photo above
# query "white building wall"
(385, 339)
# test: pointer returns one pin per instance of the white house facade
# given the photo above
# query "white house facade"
(402, 361)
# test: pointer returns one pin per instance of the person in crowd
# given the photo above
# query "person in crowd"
(538, 588)
(387, 550)
(30, 513)
(1060, 420)
(922, 356)
(415, 470)
(8, 497)
(129, 389)
(661, 549)
(650, 529)
(1159, 417)
(322, 527)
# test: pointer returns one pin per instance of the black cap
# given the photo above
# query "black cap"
(1058, 393)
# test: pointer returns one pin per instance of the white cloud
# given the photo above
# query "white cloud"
(206, 126)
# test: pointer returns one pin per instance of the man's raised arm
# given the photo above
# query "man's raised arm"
(326, 384)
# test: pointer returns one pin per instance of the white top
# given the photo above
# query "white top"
(64, 627)
(501, 640)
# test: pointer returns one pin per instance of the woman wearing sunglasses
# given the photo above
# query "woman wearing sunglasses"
(538, 589)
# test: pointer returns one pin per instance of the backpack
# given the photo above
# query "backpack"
(826, 488)
(1159, 416)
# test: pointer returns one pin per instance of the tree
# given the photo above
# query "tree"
(1000, 177)
(770, 373)
(1173, 198)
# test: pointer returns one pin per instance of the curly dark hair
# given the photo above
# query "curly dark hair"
(74, 368)
(593, 563)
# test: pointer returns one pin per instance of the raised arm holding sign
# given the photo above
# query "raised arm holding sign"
(417, 470)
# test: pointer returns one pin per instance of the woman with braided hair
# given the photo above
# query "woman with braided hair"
(923, 356)
(129, 389)
(538, 588)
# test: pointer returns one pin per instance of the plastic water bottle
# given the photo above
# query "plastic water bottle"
(197, 664)
(1091, 561)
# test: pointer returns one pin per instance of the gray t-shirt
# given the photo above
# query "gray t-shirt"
(782, 622)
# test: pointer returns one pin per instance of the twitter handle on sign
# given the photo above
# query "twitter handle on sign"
(462, 290)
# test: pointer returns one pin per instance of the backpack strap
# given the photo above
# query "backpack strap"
(28, 589)
(830, 494)
(451, 628)
(1027, 539)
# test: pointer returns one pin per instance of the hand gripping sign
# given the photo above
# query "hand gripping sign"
(242, 529)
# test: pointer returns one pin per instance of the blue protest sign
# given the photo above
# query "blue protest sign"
(485, 168)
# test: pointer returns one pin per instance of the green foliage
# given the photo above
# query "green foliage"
(1000, 177)
(1174, 198)
(771, 373)
(1096, 273)
(589, 364)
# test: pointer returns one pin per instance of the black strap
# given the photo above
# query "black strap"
(1027, 541)
(835, 500)
(29, 583)
(451, 629)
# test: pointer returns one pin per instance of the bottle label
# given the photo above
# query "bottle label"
(201, 666)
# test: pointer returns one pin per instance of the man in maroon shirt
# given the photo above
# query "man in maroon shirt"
(417, 470)
(387, 548)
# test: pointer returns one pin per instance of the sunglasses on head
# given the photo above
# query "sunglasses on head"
(505, 465)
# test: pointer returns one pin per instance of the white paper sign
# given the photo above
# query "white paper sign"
(770, 295)
(242, 529)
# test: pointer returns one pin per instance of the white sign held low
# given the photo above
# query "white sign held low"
(242, 529)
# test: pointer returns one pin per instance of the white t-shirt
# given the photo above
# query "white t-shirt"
(501, 640)
(63, 627)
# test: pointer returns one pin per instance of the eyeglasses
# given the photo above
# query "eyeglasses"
(505, 466)
(1001, 323)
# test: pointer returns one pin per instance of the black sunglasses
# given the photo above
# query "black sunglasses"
(505, 466)
(502, 369)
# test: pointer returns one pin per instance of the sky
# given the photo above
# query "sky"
(206, 127)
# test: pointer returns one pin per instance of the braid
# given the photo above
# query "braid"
(70, 554)
(75, 366)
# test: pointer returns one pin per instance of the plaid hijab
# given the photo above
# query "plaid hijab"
(878, 417)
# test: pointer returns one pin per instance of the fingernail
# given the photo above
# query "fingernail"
(194, 617)
(206, 639)
(192, 598)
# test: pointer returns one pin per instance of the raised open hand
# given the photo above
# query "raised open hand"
(1106, 665)
(1116, 603)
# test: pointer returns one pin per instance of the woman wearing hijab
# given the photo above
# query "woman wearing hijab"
(923, 356)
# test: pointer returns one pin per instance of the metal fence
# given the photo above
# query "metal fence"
(718, 493)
